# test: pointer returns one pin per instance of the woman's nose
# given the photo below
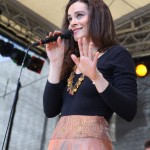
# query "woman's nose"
(73, 22)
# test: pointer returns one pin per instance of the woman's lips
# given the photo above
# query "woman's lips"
(76, 30)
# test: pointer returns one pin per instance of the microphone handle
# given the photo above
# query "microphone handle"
(46, 40)
(50, 39)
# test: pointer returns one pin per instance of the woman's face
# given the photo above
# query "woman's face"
(78, 16)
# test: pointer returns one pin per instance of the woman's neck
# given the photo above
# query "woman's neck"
(77, 71)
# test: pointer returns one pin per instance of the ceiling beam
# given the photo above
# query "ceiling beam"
(133, 31)
(134, 34)
(25, 27)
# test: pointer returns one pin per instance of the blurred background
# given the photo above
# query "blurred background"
(23, 22)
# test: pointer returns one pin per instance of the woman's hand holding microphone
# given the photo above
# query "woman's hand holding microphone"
(55, 52)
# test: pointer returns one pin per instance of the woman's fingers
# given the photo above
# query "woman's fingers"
(60, 43)
(56, 33)
(96, 58)
(75, 59)
(80, 47)
(90, 52)
(48, 45)
(85, 46)
(56, 43)
(50, 34)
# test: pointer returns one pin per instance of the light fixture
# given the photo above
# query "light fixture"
(142, 66)
(141, 70)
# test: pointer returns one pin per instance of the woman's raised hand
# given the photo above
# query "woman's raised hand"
(55, 50)
(88, 58)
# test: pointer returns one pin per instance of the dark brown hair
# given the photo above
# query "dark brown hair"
(101, 31)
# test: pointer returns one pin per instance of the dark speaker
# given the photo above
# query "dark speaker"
(35, 64)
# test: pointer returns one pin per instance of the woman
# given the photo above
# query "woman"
(91, 76)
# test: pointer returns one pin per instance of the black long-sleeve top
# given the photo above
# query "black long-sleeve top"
(120, 96)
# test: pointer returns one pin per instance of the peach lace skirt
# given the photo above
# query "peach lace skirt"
(78, 132)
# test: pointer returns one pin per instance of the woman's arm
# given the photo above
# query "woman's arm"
(52, 100)
(121, 95)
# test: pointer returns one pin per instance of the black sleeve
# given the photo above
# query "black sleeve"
(121, 95)
(52, 101)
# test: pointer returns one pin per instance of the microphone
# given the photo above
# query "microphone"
(65, 35)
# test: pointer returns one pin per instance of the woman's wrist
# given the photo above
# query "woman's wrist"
(99, 81)
(96, 76)
(54, 72)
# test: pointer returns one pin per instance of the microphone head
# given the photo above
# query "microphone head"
(67, 34)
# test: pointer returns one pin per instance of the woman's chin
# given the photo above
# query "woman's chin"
(80, 36)
(76, 38)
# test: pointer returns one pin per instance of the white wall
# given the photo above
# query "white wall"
(31, 129)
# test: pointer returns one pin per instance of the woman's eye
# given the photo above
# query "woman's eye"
(69, 19)
(79, 16)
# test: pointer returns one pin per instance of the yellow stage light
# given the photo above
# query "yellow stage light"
(141, 70)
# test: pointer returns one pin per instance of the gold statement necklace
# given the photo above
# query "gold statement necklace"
(72, 89)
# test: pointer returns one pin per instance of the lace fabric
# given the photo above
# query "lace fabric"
(77, 126)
